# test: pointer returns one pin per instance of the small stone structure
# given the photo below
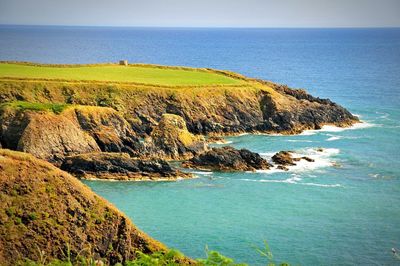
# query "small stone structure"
(123, 62)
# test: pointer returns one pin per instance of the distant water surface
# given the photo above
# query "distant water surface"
(344, 209)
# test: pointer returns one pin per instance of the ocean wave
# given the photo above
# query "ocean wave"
(322, 158)
(383, 115)
(361, 125)
(334, 138)
(292, 180)
(321, 185)
(267, 154)
(299, 140)
(222, 142)
(201, 173)
(329, 128)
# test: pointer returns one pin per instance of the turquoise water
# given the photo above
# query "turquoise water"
(344, 209)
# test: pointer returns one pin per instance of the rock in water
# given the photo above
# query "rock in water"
(120, 166)
(45, 210)
(171, 139)
(284, 159)
(228, 159)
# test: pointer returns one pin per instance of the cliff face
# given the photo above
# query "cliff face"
(120, 166)
(171, 139)
(254, 106)
(76, 130)
(43, 209)
(152, 120)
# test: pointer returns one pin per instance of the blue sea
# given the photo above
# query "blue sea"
(343, 209)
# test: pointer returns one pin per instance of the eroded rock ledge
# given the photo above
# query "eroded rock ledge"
(120, 166)
(228, 159)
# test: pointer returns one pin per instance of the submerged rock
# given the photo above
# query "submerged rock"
(228, 159)
(120, 166)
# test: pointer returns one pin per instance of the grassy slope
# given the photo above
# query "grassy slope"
(44, 208)
(133, 73)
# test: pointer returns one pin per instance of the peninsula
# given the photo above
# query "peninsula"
(124, 122)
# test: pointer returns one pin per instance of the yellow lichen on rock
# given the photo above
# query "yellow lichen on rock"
(173, 140)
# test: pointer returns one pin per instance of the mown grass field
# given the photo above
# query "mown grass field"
(117, 73)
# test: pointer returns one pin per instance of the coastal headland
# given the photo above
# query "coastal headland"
(125, 122)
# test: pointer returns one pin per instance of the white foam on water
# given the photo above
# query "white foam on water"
(320, 185)
(222, 142)
(267, 155)
(292, 180)
(329, 128)
(202, 173)
(270, 171)
(383, 115)
(322, 158)
(308, 132)
(334, 138)
(361, 125)
(299, 140)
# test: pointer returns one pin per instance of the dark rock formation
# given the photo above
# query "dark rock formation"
(228, 159)
(284, 159)
(119, 166)
(109, 129)
(216, 139)
(45, 210)
(294, 111)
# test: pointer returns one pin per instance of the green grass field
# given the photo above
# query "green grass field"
(21, 105)
(138, 74)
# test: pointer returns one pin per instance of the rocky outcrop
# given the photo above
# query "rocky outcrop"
(109, 129)
(77, 130)
(44, 210)
(171, 139)
(216, 140)
(120, 166)
(228, 159)
(284, 159)
(45, 135)
(293, 111)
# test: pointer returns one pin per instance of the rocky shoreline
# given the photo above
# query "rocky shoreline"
(147, 124)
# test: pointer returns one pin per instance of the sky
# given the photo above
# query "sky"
(203, 13)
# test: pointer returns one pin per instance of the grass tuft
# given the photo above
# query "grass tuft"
(56, 108)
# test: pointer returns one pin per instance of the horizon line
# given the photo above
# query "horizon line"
(204, 27)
